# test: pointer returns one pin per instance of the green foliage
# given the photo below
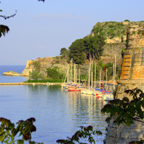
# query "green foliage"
(137, 142)
(85, 132)
(57, 62)
(141, 32)
(54, 73)
(64, 52)
(94, 44)
(45, 81)
(8, 130)
(76, 51)
(101, 66)
(3, 30)
(126, 111)
(34, 75)
(127, 20)
(36, 65)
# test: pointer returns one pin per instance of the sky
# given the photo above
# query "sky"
(42, 29)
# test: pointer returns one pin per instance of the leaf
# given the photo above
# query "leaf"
(20, 141)
(90, 128)
(108, 119)
(98, 132)
(3, 30)
(31, 120)
(125, 99)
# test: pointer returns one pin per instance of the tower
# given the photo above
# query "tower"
(132, 72)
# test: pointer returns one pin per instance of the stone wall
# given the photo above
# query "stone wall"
(132, 76)
(113, 49)
(123, 135)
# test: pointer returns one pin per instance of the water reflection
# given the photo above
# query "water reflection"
(86, 110)
(58, 113)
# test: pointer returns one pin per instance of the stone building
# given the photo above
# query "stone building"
(132, 73)
(132, 76)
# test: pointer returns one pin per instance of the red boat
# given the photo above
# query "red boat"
(74, 89)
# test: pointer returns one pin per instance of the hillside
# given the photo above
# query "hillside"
(115, 32)
(115, 43)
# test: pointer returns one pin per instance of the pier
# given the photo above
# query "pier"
(22, 83)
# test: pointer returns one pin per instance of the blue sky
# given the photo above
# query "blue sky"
(42, 29)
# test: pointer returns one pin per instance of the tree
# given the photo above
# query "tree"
(94, 43)
(54, 73)
(64, 52)
(89, 47)
(77, 51)
(34, 75)
(3, 30)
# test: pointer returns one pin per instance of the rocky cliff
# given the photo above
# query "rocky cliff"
(115, 33)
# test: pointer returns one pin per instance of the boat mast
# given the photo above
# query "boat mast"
(92, 75)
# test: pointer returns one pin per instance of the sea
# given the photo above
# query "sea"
(58, 113)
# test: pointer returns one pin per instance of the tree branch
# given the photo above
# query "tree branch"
(7, 17)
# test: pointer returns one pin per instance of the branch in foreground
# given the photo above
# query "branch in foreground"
(7, 17)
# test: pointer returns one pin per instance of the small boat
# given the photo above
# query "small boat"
(74, 89)
(108, 97)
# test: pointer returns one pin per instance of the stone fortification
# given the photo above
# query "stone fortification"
(132, 73)
(132, 76)
(123, 135)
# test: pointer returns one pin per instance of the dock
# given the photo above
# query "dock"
(22, 83)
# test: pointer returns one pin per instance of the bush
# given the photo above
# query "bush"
(45, 81)
(127, 20)
(34, 75)
(54, 73)
(36, 65)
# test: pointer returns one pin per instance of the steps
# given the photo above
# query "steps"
(126, 66)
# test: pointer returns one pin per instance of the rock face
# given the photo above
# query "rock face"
(46, 62)
(28, 68)
(11, 73)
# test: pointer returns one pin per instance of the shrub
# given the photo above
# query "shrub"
(127, 20)
(34, 75)
(54, 73)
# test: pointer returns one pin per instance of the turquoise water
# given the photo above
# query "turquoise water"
(58, 113)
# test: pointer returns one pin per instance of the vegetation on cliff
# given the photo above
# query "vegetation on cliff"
(106, 40)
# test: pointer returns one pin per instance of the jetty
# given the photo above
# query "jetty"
(23, 83)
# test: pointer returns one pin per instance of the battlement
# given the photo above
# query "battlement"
(133, 60)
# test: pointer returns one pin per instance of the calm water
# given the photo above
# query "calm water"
(15, 68)
(58, 113)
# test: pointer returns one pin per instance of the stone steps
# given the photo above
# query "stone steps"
(126, 66)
